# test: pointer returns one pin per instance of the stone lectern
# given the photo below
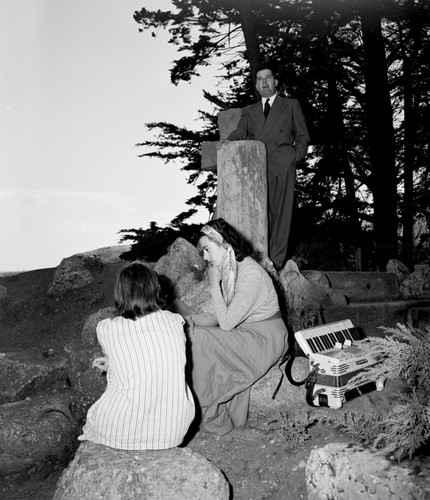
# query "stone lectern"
(242, 181)
(242, 190)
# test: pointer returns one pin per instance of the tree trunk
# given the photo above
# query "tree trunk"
(408, 169)
(410, 131)
(380, 134)
(336, 119)
(251, 40)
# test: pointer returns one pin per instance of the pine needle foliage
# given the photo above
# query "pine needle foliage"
(293, 427)
(364, 428)
(405, 354)
(405, 428)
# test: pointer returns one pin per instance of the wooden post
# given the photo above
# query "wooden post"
(242, 190)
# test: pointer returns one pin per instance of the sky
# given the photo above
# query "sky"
(78, 83)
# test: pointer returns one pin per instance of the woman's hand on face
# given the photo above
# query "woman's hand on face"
(101, 364)
(189, 325)
(213, 275)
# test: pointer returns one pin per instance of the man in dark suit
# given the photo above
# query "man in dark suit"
(278, 123)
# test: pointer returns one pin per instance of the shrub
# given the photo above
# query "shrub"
(405, 428)
(293, 427)
(152, 243)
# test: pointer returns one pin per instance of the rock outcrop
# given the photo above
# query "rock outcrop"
(30, 372)
(108, 255)
(98, 472)
(87, 383)
(417, 284)
(302, 293)
(185, 268)
(34, 432)
(89, 332)
(75, 271)
(399, 269)
(288, 396)
(345, 471)
(181, 259)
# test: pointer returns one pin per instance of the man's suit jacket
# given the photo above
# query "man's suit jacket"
(284, 132)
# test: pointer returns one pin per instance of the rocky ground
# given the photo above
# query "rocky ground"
(264, 461)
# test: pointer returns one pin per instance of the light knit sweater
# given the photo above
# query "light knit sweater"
(254, 299)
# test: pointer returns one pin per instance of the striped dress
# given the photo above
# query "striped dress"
(147, 404)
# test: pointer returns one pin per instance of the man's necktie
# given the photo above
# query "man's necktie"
(266, 108)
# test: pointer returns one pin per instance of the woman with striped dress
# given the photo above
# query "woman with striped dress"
(147, 404)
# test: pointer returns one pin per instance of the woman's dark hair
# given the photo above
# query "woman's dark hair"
(241, 246)
(137, 291)
(167, 291)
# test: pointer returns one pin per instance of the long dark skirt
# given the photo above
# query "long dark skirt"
(226, 363)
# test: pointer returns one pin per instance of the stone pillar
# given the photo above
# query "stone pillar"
(242, 189)
(227, 122)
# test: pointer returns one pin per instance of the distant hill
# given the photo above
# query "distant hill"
(105, 254)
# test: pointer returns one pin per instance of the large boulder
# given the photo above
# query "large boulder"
(317, 278)
(288, 397)
(396, 267)
(30, 372)
(182, 258)
(302, 294)
(73, 272)
(185, 268)
(108, 255)
(346, 471)
(76, 271)
(87, 383)
(417, 284)
(89, 332)
(196, 294)
(35, 432)
(100, 472)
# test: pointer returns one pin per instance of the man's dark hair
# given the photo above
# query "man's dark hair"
(269, 66)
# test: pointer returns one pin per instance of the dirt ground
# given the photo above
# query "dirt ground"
(258, 461)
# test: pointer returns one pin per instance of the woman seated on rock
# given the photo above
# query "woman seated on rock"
(147, 404)
(242, 340)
